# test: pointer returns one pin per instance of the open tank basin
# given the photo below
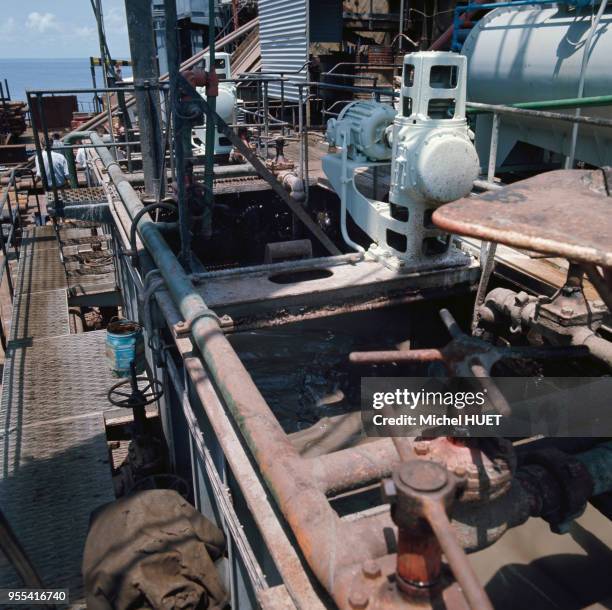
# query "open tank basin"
(303, 369)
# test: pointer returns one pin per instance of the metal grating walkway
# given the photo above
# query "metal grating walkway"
(53, 451)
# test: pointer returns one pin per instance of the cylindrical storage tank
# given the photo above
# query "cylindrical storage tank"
(530, 54)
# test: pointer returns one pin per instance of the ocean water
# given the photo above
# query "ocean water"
(23, 74)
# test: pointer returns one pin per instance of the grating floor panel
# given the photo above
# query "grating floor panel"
(54, 458)
(54, 462)
(40, 314)
(39, 268)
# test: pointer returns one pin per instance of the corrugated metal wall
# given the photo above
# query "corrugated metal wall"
(283, 36)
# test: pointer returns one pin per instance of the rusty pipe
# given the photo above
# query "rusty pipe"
(354, 467)
(419, 558)
(399, 356)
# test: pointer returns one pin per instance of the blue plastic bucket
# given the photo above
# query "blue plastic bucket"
(124, 345)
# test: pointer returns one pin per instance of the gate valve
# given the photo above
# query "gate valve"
(196, 77)
(421, 493)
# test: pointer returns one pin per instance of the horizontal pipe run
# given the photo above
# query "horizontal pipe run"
(355, 467)
(52, 92)
(390, 92)
(310, 263)
(575, 102)
(417, 355)
(538, 114)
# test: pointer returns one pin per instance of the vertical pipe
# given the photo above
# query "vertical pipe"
(9, 279)
(493, 148)
(96, 104)
(265, 117)
(144, 69)
(569, 161)
(183, 129)
(401, 26)
(109, 116)
(282, 102)
(209, 166)
(39, 155)
(41, 115)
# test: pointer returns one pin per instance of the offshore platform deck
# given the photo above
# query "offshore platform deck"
(53, 448)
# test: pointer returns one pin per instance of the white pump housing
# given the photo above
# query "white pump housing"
(433, 161)
(225, 108)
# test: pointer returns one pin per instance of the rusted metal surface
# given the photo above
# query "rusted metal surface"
(467, 356)
(563, 213)
(335, 549)
(364, 285)
(57, 110)
(355, 466)
(421, 494)
(281, 549)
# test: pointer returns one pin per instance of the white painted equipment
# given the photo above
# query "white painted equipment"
(433, 161)
(535, 53)
(226, 108)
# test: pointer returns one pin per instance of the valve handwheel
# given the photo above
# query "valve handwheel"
(137, 397)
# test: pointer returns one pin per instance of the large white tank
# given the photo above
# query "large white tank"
(526, 54)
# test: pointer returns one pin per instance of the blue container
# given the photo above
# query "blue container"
(124, 345)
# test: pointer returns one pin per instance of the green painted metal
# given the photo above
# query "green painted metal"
(572, 102)
(598, 462)
(575, 102)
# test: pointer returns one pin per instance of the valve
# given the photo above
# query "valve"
(421, 493)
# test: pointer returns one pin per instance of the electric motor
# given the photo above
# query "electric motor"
(366, 124)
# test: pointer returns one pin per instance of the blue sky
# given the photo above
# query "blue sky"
(59, 28)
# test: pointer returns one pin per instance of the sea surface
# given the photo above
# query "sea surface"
(23, 74)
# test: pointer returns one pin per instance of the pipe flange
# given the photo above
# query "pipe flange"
(574, 485)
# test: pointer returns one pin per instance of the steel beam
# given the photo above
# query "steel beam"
(146, 77)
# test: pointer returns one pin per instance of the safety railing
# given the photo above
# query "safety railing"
(537, 110)
(11, 219)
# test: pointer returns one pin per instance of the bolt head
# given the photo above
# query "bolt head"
(421, 447)
(371, 569)
(567, 311)
(423, 475)
(359, 600)
(599, 304)
(460, 470)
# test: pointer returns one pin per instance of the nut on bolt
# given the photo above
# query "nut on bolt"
(359, 600)
(371, 569)
(421, 447)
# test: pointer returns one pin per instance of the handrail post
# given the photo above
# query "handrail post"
(493, 148)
